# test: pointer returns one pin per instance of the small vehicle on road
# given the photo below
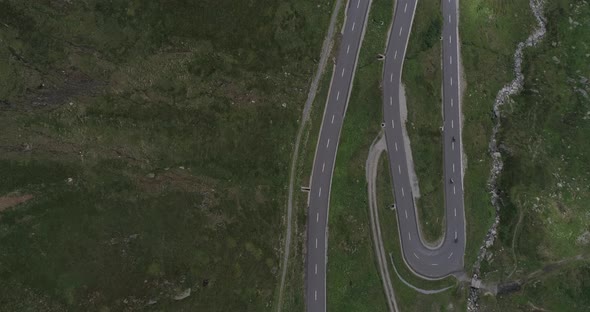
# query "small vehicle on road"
(456, 239)
(453, 139)
(452, 181)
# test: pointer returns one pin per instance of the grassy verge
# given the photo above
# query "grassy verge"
(489, 32)
(353, 279)
(154, 138)
(407, 298)
(546, 173)
(422, 77)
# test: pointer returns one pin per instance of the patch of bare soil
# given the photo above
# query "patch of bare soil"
(13, 200)
(72, 83)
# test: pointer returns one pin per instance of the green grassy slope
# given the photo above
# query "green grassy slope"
(175, 122)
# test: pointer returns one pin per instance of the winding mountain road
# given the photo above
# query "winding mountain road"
(325, 155)
(431, 262)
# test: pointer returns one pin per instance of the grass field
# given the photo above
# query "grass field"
(489, 35)
(545, 180)
(422, 76)
(151, 140)
(353, 282)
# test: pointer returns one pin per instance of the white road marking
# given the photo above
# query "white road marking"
(347, 49)
(449, 39)
(453, 145)
(455, 211)
(316, 243)
(316, 295)
(449, 18)
(320, 192)
(453, 167)
(409, 236)
(434, 264)
(451, 80)
(452, 124)
(406, 212)
(390, 101)
(317, 217)
(449, 257)
(332, 118)
(405, 7)
(451, 59)
(395, 55)
(337, 95)
(415, 255)
(403, 194)
(391, 78)
(451, 102)
(342, 75)
(328, 143)
(399, 169)
(316, 269)
(454, 190)
(396, 146)
(323, 167)
(358, 3)
(392, 124)
(400, 31)
(353, 23)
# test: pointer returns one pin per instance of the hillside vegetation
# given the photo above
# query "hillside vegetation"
(151, 140)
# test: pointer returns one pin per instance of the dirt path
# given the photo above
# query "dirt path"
(371, 167)
(326, 48)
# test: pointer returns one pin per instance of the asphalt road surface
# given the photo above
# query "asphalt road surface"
(325, 156)
(447, 257)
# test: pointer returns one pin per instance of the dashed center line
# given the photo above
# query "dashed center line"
(323, 167)
(409, 236)
(453, 167)
(449, 39)
(449, 18)
(405, 7)
(415, 255)
(454, 190)
(455, 211)
(400, 31)
(451, 60)
(348, 49)
(451, 80)
(434, 264)
(353, 23)
(403, 194)
(320, 192)
(395, 55)
(328, 143)
(316, 295)
(453, 145)
(449, 257)
(337, 95)
(452, 124)
(390, 101)
(396, 146)
(391, 78)
(342, 75)
(332, 118)
(316, 269)
(392, 124)
(358, 3)
(406, 212)
(451, 102)
(317, 217)
(399, 169)
(316, 243)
